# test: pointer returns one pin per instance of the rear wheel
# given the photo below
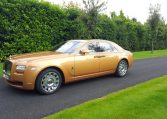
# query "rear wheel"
(48, 81)
(122, 68)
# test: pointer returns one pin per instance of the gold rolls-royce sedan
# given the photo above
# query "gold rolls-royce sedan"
(75, 60)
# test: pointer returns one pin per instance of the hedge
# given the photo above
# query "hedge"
(30, 25)
(34, 25)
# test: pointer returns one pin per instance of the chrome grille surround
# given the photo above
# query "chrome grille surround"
(7, 67)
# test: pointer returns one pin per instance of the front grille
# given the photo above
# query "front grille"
(7, 67)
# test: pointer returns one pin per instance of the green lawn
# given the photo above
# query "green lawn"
(148, 54)
(1, 65)
(143, 101)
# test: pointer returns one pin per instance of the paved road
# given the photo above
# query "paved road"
(18, 104)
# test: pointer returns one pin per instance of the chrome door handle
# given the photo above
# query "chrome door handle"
(96, 57)
(102, 56)
(99, 56)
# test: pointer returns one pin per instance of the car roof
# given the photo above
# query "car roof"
(88, 40)
(91, 40)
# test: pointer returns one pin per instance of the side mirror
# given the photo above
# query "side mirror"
(83, 51)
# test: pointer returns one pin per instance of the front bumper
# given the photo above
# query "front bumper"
(17, 82)
(24, 80)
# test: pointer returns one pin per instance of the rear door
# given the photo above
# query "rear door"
(108, 57)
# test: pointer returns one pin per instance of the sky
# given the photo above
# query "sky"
(138, 9)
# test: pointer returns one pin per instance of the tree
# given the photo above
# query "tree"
(153, 21)
(106, 28)
(75, 28)
(90, 18)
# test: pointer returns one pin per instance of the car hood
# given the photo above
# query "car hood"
(36, 56)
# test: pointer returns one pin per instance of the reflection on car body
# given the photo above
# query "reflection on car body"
(75, 60)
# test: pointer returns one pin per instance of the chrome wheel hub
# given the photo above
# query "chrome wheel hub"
(50, 81)
(123, 67)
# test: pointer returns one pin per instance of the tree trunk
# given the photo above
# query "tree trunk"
(152, 46)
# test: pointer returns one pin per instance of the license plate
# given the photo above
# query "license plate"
(6, 77)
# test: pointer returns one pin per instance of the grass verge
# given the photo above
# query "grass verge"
(143, 101)
(1, 65)
(148, 54)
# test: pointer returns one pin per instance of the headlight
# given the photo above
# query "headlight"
(20, 67)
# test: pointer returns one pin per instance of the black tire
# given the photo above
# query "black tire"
(122, 68)
(48, 81)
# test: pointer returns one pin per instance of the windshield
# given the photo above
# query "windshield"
(69, 47)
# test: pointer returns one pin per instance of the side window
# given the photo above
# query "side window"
(106, 47)
(93, 47)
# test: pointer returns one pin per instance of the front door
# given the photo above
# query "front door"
(87, 63)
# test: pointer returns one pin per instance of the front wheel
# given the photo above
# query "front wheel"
(48, 81)
(122, 68)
